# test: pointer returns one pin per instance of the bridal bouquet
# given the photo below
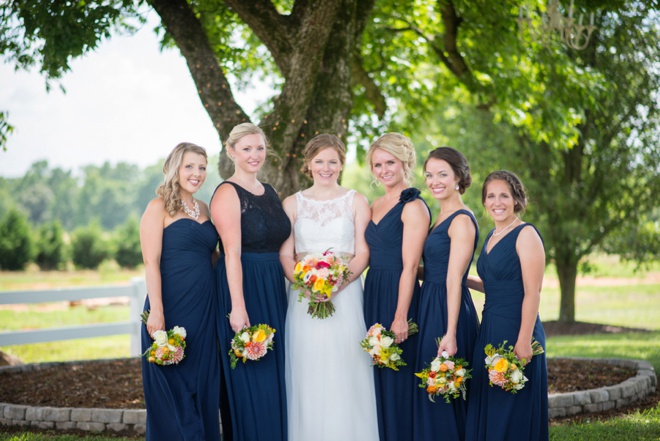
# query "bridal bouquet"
(379, 343)
(251, 343)
(316, 277)
(504, 368)
(168, 346)
(445, 377)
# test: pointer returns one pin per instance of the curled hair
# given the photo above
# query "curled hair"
(169, 189)
(318, 143)
(458, 163)
(400, 147)
(516, 188)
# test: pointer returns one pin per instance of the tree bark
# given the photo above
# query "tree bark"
(567, 273)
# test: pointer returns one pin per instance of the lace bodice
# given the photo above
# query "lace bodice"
(321, 225)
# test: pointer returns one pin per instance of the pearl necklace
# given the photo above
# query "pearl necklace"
(192, 213)
(495, 233)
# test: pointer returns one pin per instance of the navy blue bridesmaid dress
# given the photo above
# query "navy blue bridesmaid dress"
(182, 399)
(394, 389)
(440, 420)
(494, 414)
(256, 391)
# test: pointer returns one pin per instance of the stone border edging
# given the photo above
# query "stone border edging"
(609, 397)
(133, 421)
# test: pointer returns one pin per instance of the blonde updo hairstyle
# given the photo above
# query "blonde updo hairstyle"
(401, 148)
(169, 189)
(241, 131)
(516, 188)
(319, 143)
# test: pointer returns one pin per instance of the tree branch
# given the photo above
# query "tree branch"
(212, 86)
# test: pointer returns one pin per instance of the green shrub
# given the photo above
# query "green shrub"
(50, 246)
(128, 253)
(16, 245)
(88, 247)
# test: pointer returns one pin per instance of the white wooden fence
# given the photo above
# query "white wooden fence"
(136, 292)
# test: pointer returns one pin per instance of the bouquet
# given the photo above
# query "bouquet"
(504, 368)
(445, 377)
(379, 343)
(168, 346)
(251, 343)
(317, 276)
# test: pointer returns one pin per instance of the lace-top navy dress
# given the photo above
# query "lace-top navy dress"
(494, 414)
(439, 419)
(182, 399)
(255, 389)
(394, 389)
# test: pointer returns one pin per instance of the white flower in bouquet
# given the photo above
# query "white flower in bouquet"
(160, 338)
(178, 330)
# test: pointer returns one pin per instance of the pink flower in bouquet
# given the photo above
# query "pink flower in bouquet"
(504, 368)
(254, 350)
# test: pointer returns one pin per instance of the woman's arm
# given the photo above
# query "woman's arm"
(475, 282)
(532, 263)
(226, 215)
(462, 233)
(151, 242)
(288, 248)
(415, 218)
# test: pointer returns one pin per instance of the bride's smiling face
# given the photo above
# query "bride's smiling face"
(325, 166)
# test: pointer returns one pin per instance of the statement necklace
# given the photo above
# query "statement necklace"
(495, 233)
(192, 213)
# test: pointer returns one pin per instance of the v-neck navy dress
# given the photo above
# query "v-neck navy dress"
(182, 399)
(440, 420)
(394, 389)
(494, 414)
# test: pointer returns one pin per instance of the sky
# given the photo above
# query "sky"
(127, 101)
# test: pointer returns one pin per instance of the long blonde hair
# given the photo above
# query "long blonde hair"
(169, 189)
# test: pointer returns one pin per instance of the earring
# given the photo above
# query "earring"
(457, 187)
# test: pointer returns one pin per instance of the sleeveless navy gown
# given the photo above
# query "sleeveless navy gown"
(256, 390)
(494, 414)
(182, 399)
(440, 420)
(394, 389)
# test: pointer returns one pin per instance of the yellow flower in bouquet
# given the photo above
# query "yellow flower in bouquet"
(168, 346)
(251, 343)
(379, 343)
(505, 369)
(316, 277)
(445, 377)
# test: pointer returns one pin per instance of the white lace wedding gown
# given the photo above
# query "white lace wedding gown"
(329, 378)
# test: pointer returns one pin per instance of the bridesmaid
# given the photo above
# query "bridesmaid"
(252, 226)
(178, 242)
(510, 267)
(445, 304)
(391, 287)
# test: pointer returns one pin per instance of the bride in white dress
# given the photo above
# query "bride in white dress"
(329, 378)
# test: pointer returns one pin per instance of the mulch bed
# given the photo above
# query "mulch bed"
(117, 384)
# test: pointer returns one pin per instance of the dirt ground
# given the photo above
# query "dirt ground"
(118, 383)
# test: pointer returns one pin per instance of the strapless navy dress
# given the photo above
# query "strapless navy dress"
(182, 400)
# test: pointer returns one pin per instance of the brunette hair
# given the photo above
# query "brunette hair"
(169, 189)
(399, 146)
(515, 186)
(318, 143)
(458, 163)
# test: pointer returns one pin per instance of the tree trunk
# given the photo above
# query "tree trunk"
(567, 273)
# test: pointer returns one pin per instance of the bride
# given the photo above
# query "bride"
(329, 379)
